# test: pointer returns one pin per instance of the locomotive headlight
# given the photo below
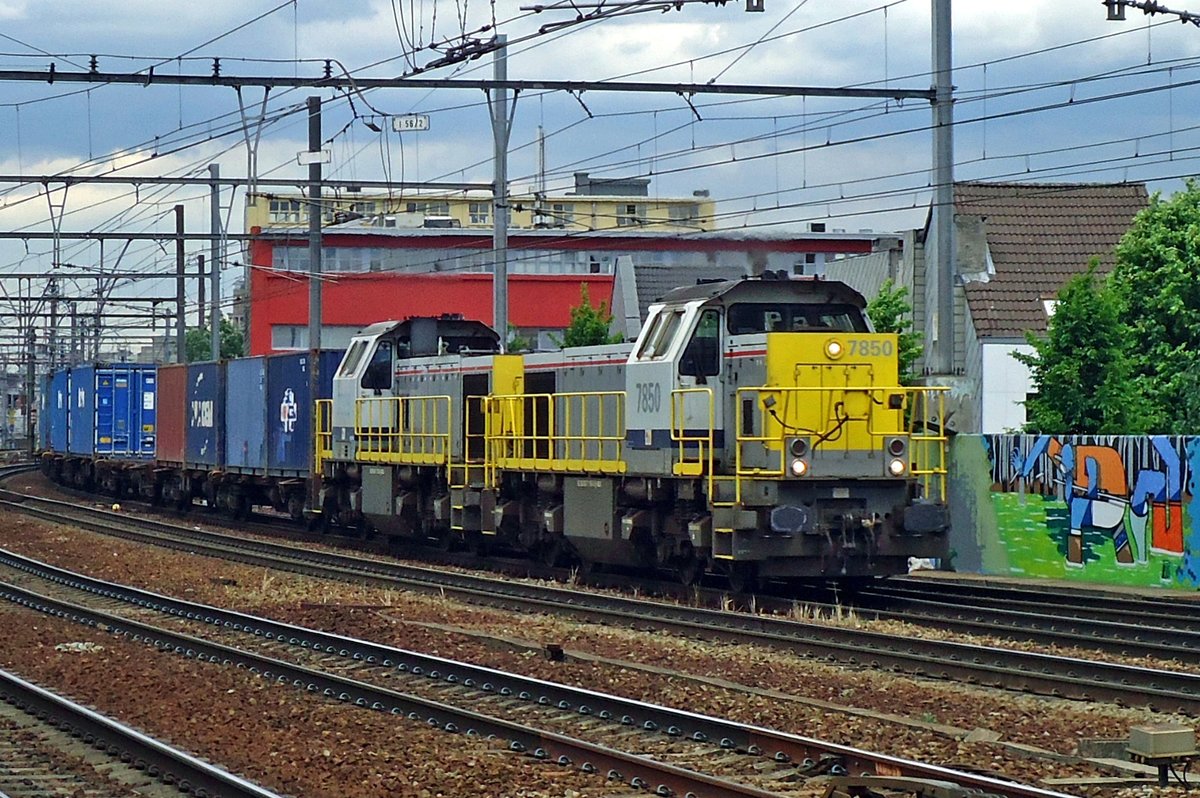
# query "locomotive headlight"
(798, 447)
(897, 467)
(799, 467)
(833, 349)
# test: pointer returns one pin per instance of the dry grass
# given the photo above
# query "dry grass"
(837, 614)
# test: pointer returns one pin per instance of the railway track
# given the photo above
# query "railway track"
(572, 726)
(1047, 674)
(1166, 613)
(1140, 629)
(49, 745)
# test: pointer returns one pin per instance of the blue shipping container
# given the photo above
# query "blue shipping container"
(126, 399)
(205, 415)
(55, 417)
(81, 410)
(43, 414)
(289, 408)
(330, 360)
(246, 424)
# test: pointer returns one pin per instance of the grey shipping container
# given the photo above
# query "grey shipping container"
(246, 415)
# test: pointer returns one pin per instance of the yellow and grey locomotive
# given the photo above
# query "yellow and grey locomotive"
(755, 428)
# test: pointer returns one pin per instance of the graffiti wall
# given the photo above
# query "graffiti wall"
(1107, 509)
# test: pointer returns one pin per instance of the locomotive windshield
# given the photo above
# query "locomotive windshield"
(378, 374)
(661, 334)
(759, 317)
(352, 359)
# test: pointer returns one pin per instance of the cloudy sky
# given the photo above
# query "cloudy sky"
(1046, 92)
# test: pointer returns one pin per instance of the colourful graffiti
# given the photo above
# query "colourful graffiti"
(1111, 509)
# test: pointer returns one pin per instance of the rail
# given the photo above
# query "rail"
(406, 430)
(170, 765)
(580, 432)
(681, 723)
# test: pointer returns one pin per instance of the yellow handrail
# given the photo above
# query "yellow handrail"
(412, 430)
(701, 438)
(460, 471)
(572, 432)
(919, 417)
(324, 442)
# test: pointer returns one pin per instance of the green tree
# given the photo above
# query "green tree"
(517, 342)
(589, 325)
(1080, 367)
(199, 342)
(891, 312)
(1157, 280)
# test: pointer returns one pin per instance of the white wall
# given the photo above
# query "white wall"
(1003, 388)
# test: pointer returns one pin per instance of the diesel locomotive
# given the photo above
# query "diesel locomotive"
(756, 428)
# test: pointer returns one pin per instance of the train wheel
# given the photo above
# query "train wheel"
(585, 567)
(743, 577)
(295, 507)
(241, 508)
(551, 552)
(478, 544)
(691, 570)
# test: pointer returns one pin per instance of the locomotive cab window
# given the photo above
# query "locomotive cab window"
(353, 358)
(747, 318)
(702, 358)
(662, 333)
(378, 374)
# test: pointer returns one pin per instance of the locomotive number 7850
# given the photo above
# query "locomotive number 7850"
(864, 347)
(649, 397)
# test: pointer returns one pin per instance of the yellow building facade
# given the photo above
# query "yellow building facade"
(568, 212)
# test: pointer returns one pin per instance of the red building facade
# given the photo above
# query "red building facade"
(372, 274)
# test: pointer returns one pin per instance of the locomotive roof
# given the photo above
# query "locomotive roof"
(422, 336)
(811, 289)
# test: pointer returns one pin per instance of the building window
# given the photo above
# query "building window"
(805, 265)
(285, 211)
(686, 213)
(562, 214)
(345, 259)
(333, 259)
(481, 212)
(631, 215)
(441, 208)
(365, 208)
(295, 336)
(289, 259)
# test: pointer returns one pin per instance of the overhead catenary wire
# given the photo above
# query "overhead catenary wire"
(985, 115)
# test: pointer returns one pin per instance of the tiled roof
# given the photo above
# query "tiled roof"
(1039, 236)
(655, 279)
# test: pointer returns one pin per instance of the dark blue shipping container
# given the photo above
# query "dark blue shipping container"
(55, 416)
(126, 409)
(246, 419)
(289, 408)
(330, 360)
(205, 415)
(81, 410)
(43, 414)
